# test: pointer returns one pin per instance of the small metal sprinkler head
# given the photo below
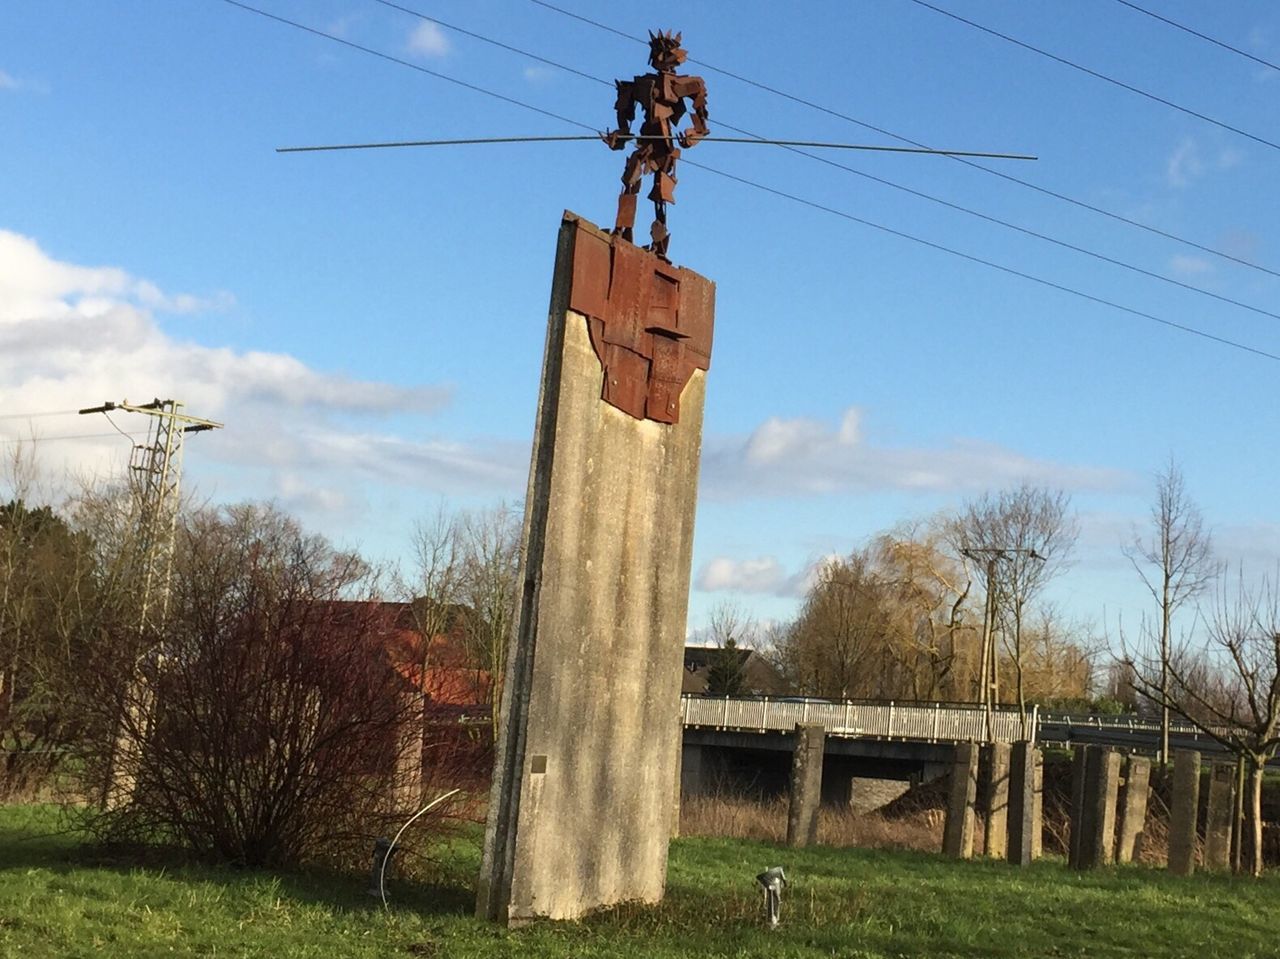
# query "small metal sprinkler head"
(772, 881)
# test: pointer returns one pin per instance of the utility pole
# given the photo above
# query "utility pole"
(155, 479)
(988, 669)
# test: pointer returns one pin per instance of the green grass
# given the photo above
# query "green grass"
(58, 898)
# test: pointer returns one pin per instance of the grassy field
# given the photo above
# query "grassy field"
(58, 898)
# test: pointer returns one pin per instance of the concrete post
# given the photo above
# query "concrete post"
(1102, 785)
(580, 806)
(1182, 815)
(693, 770)
(1022, 805)
(1133, 807)
(1037, 829)
(1078, 761)
(1217, 833)
(957, 835)
(806, 784)
(995, 800)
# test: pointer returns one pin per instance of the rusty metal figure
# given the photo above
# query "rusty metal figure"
(661, 96)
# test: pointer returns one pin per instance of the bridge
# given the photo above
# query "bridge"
(745, 744)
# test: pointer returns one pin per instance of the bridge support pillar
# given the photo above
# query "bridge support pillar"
(1024, 813)
(1098, 819)
(839, 787)
(1133, 807)
(1217, 834)
(693, 770)
(806, 784)
(1079, 759)
(995, 800)
(957, 835)
(1182, 815)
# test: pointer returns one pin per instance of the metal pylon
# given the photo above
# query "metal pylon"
(155, 477)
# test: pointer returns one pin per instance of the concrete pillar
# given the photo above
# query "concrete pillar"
(1133, 807)
(837, 783)
(995, 800)
(1023, 824)
(806, 784)
(957, 835)
(1217, 833)
(1078, 760)
(1037, 829)
(580, 806)
(1102, 785)
(1182, 816)
(693, 770)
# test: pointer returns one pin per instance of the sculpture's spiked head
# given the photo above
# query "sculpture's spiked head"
(665, 52)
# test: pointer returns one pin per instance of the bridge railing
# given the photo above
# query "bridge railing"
(931, 723)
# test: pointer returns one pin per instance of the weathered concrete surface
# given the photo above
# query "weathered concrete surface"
(1102, 786)
(1078, 814)
(1133, 807)
(957, 834)
(1221, 809)
(1182, 816)
(806, 784)
(995, 800)
(1023, 824)
(1037, 834)
(580, 808)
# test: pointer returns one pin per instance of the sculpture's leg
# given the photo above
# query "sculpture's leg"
(663, 192)
(632, 173)
(658, 231)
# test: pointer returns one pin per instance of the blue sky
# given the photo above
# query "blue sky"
(369, 325)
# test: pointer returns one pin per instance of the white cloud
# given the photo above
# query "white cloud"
(1186, 265)
(1185, 164)
(8, 82)
(428, 40)
(537, 73)
(789, 457)
(761, 576)
(73, 336)
(1189, 162)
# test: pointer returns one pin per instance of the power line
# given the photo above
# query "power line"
(404, 63)
(73, 436)
(989, 263)
(32, 416)
(1097, 75)
(1196, 33)
(1027, 184)
(791, 147)
(818, 206)
(752, 140)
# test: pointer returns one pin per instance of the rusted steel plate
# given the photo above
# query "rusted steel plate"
(650, 322)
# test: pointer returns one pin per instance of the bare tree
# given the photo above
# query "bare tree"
(490, 541)
(837, 645)
(731, 630)
(927, 592)
(1231, 693)
(1033, 532)
(1175, 561)
(433, 592)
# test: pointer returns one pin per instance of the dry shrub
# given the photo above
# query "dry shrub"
(743, 818)
(265, 725)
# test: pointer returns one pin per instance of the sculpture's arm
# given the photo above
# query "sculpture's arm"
(696, 90)
(626, 107)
